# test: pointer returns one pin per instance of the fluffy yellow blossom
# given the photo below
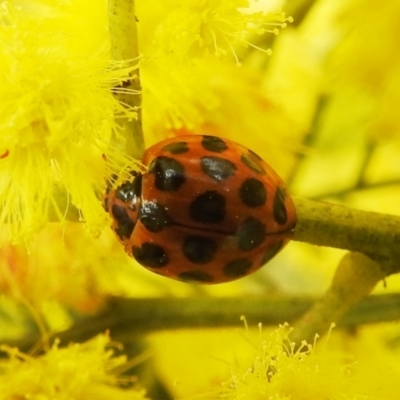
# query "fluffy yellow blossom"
(188, 49)
(191, 29)
(57, 118)
(279, 370)
(80, 371)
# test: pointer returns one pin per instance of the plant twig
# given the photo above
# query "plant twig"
(375, 243)
(129, 318)
(332, 225)
(310, 138)
(124, 47)
(354, 279)
(363, 186)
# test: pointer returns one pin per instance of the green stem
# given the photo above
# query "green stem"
(339, 194)
(129, 318)
(354, 279)
(332, 225)
(124, 47)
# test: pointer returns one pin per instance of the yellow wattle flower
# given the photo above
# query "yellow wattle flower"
(192, 29)
(79, 371)
(57, 119)
(281, 370)
(190, 75)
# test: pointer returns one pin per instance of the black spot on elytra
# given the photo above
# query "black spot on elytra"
(126, 83)
(237, 268)
(169, 173)
(128, 191)
(105, 204)
(253, 193)
(251, 234)
(214, 144)
(217, 168)
(154, 216)
(199, 249)
(134, 173)
(255, 155)
(195, 276)
(150, 255)
(254, 162)
(208, 208)
(272, 251)
(176, 148)
(110, 182)
(125, 224)
(279, 208)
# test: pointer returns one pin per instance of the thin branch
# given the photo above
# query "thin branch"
(354, 279)
(332, 225)
(310, 138)
(124, 47)
(370, 147)
(127, 319)
(364, 186)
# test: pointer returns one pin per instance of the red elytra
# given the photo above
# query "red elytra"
(207, 210)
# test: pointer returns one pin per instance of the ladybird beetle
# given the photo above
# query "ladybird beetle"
(206, 210)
